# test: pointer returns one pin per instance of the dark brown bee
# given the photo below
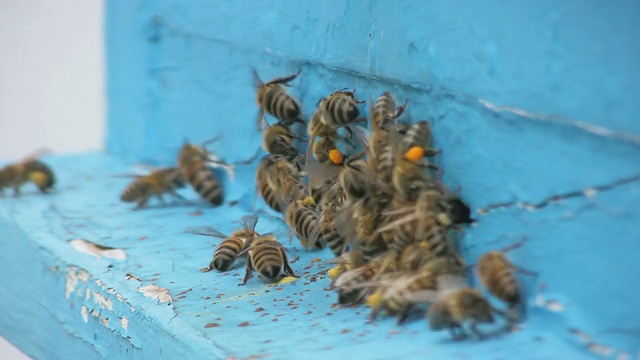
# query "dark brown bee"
(339, 109)
(334, 239)
(30, 169)
(458, 307)
(416, 143)
(284, 177)
(229, 249)
(268, 258)
(302, 218)
(273, 98)
(193, 163)
(271, 196)
(277, 140)
(497, 274)
(159, 182)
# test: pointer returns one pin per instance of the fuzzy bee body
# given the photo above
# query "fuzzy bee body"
(229, 249)
(304, 220)
(457, 307)
(192, 160)
(394, 299)
(268, 258)
(159, 182)
(273, 99)
(277, 140)
(335, 241)
(339, 109)
(31, 169)
(496, 273)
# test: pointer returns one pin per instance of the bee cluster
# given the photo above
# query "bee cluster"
(379, 207)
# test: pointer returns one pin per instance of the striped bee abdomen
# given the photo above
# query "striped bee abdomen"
(268, 261)
(205, 183)
(226, 253)
(280, 104)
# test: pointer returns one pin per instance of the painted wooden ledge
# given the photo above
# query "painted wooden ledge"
(146, 298)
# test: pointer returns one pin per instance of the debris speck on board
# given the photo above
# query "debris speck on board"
(97, 250)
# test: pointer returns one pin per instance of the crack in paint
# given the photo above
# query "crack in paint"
(588, 192)
(578, 124)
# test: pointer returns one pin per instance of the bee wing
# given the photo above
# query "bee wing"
(256, 79)
(206, 231)
(422, 296)
(249, 221)
(321, 173)
(448, 282)
(394, 224)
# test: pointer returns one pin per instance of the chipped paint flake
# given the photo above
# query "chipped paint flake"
(124, 322)
(97, 314)
(156, 292)
(101, 300)
(73, 275)
(97, 250)
(550, 305)
(85, 313)
(87, 295)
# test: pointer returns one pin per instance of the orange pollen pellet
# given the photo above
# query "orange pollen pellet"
(336, 156)
(414, 154)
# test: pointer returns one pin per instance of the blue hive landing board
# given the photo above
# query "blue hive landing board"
(61, 302)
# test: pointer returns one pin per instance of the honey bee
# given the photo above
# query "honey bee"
(277, 140)
(193, 163)
(301, 217)
(334, 239)
(284, 177)
(271, 196)
(496, 273)
(273, 98)
(337, 110)
(30, 169)
(228, 250)
(340, 109)
(354, 284)
(393, 298)
(268, 258)
(458, 308)
(385, 110)
(159, 182)
(416, 143)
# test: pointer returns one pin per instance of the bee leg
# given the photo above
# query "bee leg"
(403, 315)
(431, 152)
(206, 269)
(287, 268)
(261, 120)
(400, 109)
(457, 332)
(473, 327)
(248, 272)
(141, 203)
(161, 199)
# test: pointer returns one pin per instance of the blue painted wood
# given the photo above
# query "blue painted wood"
(47, 284)
(533, 106)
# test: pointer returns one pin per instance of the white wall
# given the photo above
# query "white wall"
(51, 76)
(51, 81)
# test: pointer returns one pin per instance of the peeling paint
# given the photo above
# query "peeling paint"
(103, 320)
(102, 301)
(155, 292)
(550, 305)
(73, 275)
(85, 313)
(97, 250)
(124, 322)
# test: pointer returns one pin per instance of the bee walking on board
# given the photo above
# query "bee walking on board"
(193, 161)
(159, 182)
(458, 308)
(29, 170)
(229, 249)
(268, 258)
(497, 274)
(273, 98)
